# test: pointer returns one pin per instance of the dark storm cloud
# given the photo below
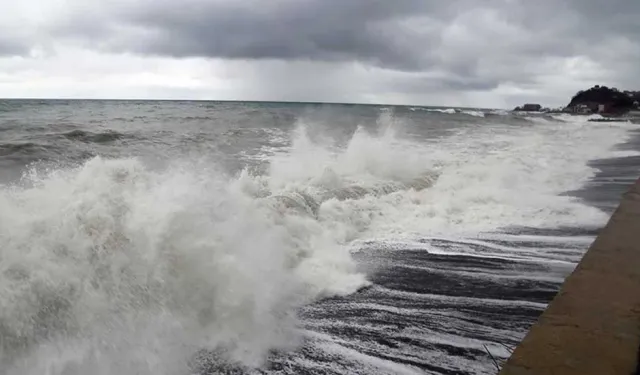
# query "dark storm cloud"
(461, 37)
(327, 30)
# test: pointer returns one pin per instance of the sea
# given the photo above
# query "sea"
(195, 237)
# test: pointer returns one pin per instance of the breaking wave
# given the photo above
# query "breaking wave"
(449, 111)
(452, 111)
(115, 267)
(500, 112)
(473, 113)
(576, 118)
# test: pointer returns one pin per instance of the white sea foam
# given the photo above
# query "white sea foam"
(565, 117)
(473, 113)
(500, 112)
(538, 119)
(452, 111)
(449, 111)
(111, 267)
(489, 178)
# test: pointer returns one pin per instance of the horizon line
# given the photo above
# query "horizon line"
(249, 101)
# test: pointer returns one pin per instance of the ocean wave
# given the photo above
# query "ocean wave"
(450, 111)
(11, 148)
(309, 205)
(564, 117)
(473, 113)
(25, 150)
(539, 119)
(114, 242)
(114, 265)
(186, 256)
(500, 112)
(91, 137)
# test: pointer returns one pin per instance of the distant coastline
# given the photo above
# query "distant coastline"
(603, 100)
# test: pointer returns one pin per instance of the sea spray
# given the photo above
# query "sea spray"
(111, 266)
(111, 247)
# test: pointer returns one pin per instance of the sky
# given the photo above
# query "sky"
(489, 53)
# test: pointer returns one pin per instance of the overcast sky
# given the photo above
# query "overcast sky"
(489, 53)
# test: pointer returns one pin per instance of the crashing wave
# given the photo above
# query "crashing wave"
(473, 113)
(116, 267)
(451, 111)
(111, 251)
(306, 204)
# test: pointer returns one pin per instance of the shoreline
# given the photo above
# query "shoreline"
(590, 327)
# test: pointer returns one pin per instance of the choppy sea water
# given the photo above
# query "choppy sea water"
(282, 238)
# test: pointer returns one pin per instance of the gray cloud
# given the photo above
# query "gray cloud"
(328, 30)
(410, 35)
(10, 47)
(616, 16)
(458, 45)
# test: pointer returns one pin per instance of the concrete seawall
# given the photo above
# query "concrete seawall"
(592, 326)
